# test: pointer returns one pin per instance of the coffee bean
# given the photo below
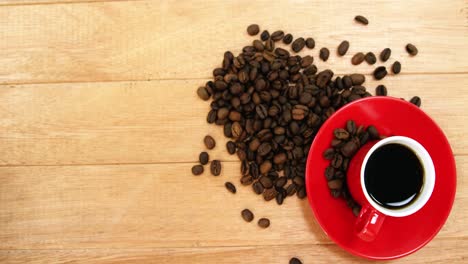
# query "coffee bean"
(411, 49)
(279, 198)
(416, 101)
(337, 161)
(230, 187)
(269, 194)
(301, 192)
(265, 167)
(236, 129)
(370, 58)
(323, 78)
(294, 261)
(380, 72)
(335, 184)
(265, 35)
(223, 113)
(280, 158)
(281, 181)
(203, 93)
(350, 127)
(307, 61)
(197, 170)
(310, 43)
(373, 132)
(266, 182)
(343, 48)
(204, 158)
(356, 210)
(349, 149)
(358, 58)
(341, 133)
(231, 147)
(357, 79)
(258, 45)
(247, 215)
(264, 149)
(361, 20)
(324, 54)
(329, 153)
(287, 39)
(253, 29)
(291, 189)
(209, 141)
(258, 187)
(329, 173)
(298, 44)
(277, 35)
(215, 167)
(381, 90)
(396, 67)
(385, 54)
(263, 222)
(298, 181)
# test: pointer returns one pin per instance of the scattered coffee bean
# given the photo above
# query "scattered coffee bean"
(381, 90)
(370, 58)
(215, 167)
(253, 29)
(265, 35)
(204, 158)
(247, 215)
(287, 39)
(209, 141)
(385, 54)
(362, 20)
(396, 67)
(277, 35)
(197, 170)
(380, 72)
(358, 58)
(324, 54)
(231, 147)
(343, 48)
(411, 49)
(294, 261)
(263, 222)
(310, 43)
(203, 93)
(298, 44)
(416, 101)
(230, 187)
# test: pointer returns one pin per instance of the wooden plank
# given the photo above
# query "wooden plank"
(148, 122)
(163, 205)
(52, 2)
(437, 251)
(108, 41)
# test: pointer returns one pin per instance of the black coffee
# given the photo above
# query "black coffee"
(393, 176)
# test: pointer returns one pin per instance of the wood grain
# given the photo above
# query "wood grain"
(108, 41)
(52, 2)
(147, 122)
(454, 252)
(162, 205)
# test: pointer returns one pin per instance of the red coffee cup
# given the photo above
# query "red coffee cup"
(373, 214)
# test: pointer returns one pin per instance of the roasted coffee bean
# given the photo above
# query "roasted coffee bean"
(291, 189)
(236, 129)
(416, 101)
(258, 45)
(253, 29)
(323, 78)
(363, 138)
(269, 194)
(385, 54)
(396, 67)
(301, 192)
(263, 222)
(335, 184)
(329, 173)
(370, 58)
(307, 61)
(223, 113)
(215, 167)
(280, 158)
(209, 141)
(310, 43)
(265, 35)
(324, 54)
(361, 20)
(247, 215)
(380, 72)
(358, 58)
(357, 79)
(265, 167)
(336, 143)
(230, 187)
(298, 181)
(246, 180)
(343, 48)
(337, 161)
(277, 35)
(264, 149)
(266, 182)
(349, 149)
(258, 187)
(204, 158)
(341, 133)
(197, 170)
(298, 44)
(411, 49)
(231, 147)
(329, 153)
(279, 198)
(373, 133)
(381, 90)
(347, 82)
(356, 210)
(203, 93)
(350, 127)
(281, 181)
(294, 261)
(287, 39)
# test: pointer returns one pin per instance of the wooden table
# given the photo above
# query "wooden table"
(100, 125)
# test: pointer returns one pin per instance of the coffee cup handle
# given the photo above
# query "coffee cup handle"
(368, 223)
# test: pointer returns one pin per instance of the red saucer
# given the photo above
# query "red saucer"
(398, 236)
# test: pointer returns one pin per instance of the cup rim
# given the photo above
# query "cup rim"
(429, 176)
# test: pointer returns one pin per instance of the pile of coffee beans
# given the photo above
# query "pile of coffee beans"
(343, 147)
(271, 104)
